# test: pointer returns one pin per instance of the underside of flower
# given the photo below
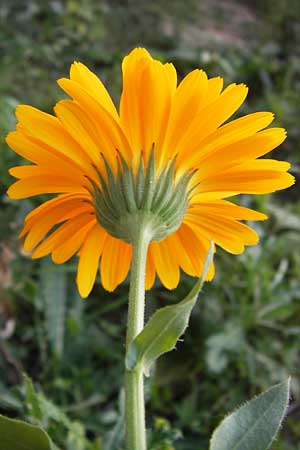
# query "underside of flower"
(130, 199)
(177, 189)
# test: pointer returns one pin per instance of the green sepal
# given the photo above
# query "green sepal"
(139, 184)
(164, 187)
(171, 213)
(131, 198)
(254, 425)
(128, 184)
(149, 183)
(178, 194)
(165, 327)
(19, 435)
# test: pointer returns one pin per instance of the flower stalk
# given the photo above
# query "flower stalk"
(134, 379)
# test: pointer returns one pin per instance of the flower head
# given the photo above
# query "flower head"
(168, 157)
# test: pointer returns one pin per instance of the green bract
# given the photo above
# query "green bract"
(165, 327)
(126, 201)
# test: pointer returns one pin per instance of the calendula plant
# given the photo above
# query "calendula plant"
(144, 189)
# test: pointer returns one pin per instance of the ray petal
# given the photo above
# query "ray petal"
(223, 208)
(115, 262)
(231, 235)
(260, 176)
(103, 121)
(41, 224)
(93, 85)
(88, 262)
(148, 87)
(48, 129)
(150, 271)
(167, 269)
(41, 184)
(72, 244)
(61, 234)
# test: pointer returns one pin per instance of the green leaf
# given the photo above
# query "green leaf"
(44, 412)
(32, 400)
(254, 425)
(40, 409)
(18, 435)
(165, 327)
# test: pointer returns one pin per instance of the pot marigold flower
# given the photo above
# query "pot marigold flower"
(167, 159)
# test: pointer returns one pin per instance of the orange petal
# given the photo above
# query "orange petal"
(150, 271)
(148, 87)
(39, 153)
(223, 208)
(40, 184)
(94, 86)
(78, 125)
(252, 177)
(228, 234)
(103, 121)
(71, 245)
(59, 236)
(39, 210)
(167, 269)
(132, 66)
(89, 257)
(214, 88)
(253, 147)
(41, 224)
(29, 171)
(115, 262)
(178, 250)
(196, 247)
(210, 118)
(49, 130)
(172, 77)
(187, 102)
(230, 133)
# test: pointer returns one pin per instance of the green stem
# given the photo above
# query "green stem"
(134, 379)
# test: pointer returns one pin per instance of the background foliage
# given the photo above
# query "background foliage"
(244, 333)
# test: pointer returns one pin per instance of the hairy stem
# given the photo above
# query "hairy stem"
(134, 379)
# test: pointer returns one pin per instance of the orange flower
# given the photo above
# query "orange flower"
(181, 125)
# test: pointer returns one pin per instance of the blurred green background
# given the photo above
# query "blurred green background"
(244, 333)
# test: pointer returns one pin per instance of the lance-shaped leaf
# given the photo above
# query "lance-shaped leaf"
(18, 435)
(254, 425)
(165, 327)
